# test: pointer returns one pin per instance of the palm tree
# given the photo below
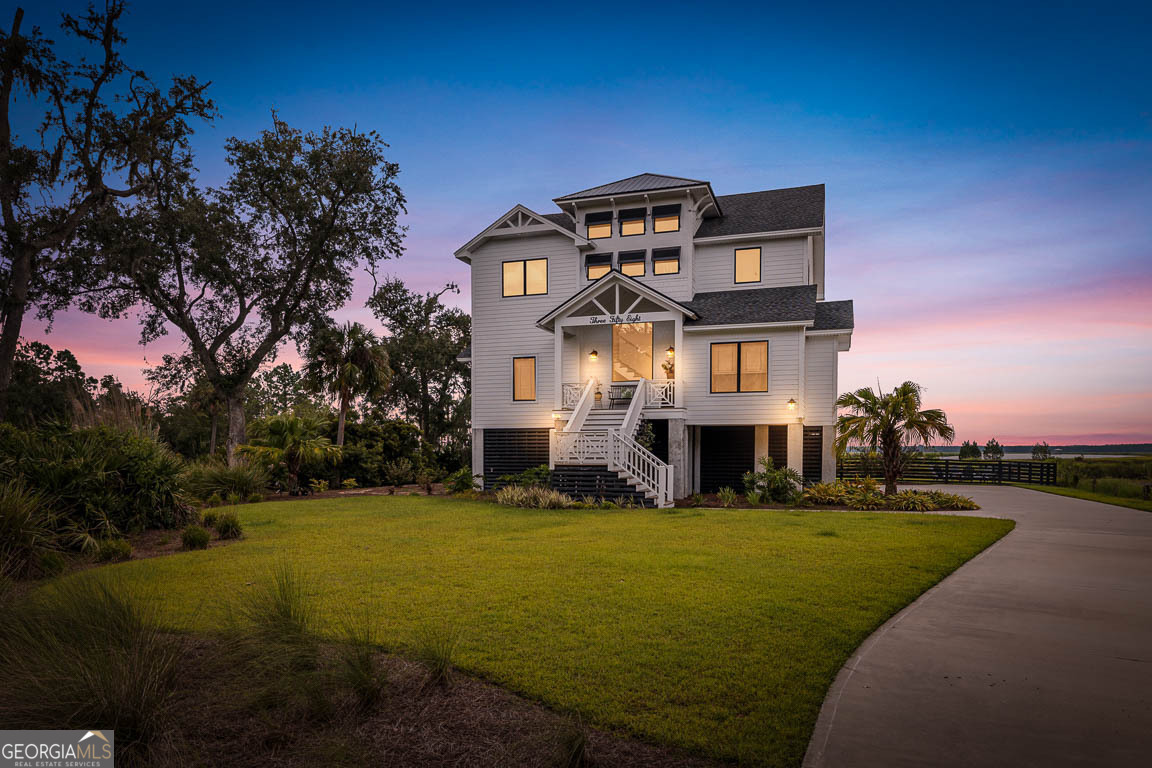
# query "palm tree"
(888, 423)
(292, 441)
(347, 362)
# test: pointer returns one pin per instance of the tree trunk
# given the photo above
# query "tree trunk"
(340, 420)
(215, 411)
(12, 313)
(236, 431)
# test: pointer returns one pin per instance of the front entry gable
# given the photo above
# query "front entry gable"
(615, 297)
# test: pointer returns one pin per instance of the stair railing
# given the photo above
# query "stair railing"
(643, 467)
(583, 406)
(632, 416)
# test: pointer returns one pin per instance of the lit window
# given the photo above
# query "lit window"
(665, 218)
(526, 277)
(632, 221)
(523, 378)
(747, 265)
(632, 263)
(599, 225)
(740, 367)
(597, 265)
(665, 261)
(631, 351)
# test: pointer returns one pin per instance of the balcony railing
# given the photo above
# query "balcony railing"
(659, 394)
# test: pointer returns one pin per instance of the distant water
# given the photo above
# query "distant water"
(1026, 456)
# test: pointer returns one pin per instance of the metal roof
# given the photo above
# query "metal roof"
(643, 182)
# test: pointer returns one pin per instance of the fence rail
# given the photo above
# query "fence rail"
(954, 471)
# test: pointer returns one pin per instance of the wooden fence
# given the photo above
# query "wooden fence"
(954, 471)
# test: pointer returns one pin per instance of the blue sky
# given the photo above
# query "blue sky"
(987, 166)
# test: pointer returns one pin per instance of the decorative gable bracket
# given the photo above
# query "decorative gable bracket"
(518, 222)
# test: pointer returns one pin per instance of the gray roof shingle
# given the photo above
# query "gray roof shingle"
(772, 210)
(643, 182)
(561, 219)
(785, 304)
(834, 315)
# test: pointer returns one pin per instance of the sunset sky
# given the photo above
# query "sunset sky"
(988, 169)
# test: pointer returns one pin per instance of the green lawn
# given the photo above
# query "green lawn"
(717, 630)
(1078, 493)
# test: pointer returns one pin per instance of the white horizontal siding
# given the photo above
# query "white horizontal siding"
(782, 262)
(820, 380)
(771, 407)
(504, 328)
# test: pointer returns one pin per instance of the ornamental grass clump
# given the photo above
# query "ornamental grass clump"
(28, 531)
(228, 526)
(533, 497)
(113, 551)
(195, 537)
(726, 496)
(435, 648)
(910, 501)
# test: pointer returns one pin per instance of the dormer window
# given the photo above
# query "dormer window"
(632, 263)
(599, 225)
(632, 221)
(665, 261)
(665, 218)
(596, 265)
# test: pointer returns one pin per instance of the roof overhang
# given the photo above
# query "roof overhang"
(700, 195)
(605, 283)
(778, 234)
(749, 326)
(518, 222)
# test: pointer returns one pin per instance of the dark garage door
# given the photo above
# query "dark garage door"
(726, 453)
(511, 451)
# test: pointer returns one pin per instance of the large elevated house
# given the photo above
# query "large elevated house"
(652, 300)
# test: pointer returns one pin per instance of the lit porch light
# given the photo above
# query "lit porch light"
(791, 403)
(670, 352)
(593, 355)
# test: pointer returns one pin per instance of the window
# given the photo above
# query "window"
(740, 366)
(631, 351)
(665, 218)
(632, 221)
(526, 278)
(523, 378)
(665, 261)
(596, 265)
(747, 265)
(599, 225)
(632, 263)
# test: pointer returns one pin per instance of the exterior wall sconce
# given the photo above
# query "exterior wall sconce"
(791, 403)
(593, 355)
(670, 352)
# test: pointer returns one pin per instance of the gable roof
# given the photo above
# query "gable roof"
(646, 291)
(641, 182)
(785, 304)
(560, 220)
(521, 220)
(771, 210)
(834, 315)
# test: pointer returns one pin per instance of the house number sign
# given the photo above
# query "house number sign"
(615, 319)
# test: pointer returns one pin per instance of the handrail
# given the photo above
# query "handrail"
(580, 412)
(644, 466)
(660, 394)
(632, 417)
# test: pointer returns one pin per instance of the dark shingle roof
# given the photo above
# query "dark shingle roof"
(786, 304)
(772, 210)
(833, 315)
(561, 219)
(643, 182)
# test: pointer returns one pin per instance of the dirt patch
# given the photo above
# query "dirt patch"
(384, 490)
(469, 723)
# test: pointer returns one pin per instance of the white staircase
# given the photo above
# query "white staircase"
(595, 436)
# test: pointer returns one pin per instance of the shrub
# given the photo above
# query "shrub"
(697, 500)
(538, 477)
(213, 478)
(436, 650)
(726, 496)
(234, 499)
(461, 481)
(255, 498)
(825, 493)
(778, 484)
(215, 500)
(51, 563)
(208, 518)
(349, 483)
(88, 652)
(532, 497)
(755, 498)
(316, 485)
(910, 501)
(195, 537)
(399, 472)
(864, 495)
(114, 551)
(27, 530)
(228, 526)
(951, 501)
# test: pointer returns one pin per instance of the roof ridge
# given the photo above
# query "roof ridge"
(779, 189)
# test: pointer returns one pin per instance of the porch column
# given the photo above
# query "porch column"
(558, 366)
(678, 379)
(796, 447)
(477, 451)
(828, 454)
(679, 457)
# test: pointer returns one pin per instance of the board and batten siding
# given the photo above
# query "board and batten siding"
(820, 380)
(771, 407)
(505, 327)
(782, 262)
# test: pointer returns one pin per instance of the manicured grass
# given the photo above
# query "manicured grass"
(1079, 493)
(714, 630)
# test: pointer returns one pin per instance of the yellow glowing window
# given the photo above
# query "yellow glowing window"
(528, 277)
(632, 227)
(740, 366)
(747, 265)
(631, 351)
(633, 269)
(523, 378)
(665, 261)
(666, 223)
(599, 230)
(597, 271)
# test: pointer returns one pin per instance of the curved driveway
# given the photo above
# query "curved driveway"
(1038, 652)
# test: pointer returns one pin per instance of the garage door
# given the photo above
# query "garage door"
(726, 453)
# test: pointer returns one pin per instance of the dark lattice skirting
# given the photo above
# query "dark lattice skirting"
(595, 481)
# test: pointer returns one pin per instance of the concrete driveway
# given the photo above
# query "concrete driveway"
(1038, 652)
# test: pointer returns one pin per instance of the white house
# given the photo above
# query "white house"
(654, 299)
